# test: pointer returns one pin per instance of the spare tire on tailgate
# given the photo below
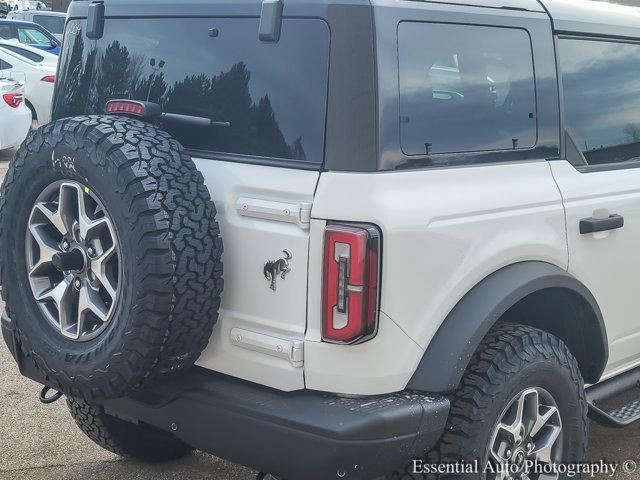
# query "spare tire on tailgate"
(109, 255)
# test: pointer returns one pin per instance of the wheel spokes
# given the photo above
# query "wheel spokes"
(99, 269)
(527, 431)
(62, 296)
(71, 250)
(544, 447)
(543, 418)
(89, 301)
(47, 246)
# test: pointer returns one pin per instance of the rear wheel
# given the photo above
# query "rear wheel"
(139, 441)
(521, 403)
(521, 400)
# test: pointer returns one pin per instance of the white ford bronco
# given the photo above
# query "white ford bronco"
(430, 214)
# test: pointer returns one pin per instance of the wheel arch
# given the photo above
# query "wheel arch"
(532, 293)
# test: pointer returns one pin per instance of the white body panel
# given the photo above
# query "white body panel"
(605, 262)
(38, 93)
(443, 231)
(14, 122)
(248, 303)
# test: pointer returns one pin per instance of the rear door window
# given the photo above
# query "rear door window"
(33, 36)
(465, 88)
(602, 98)
(273, 95)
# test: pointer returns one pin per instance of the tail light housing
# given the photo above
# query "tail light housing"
(350, 283)
(13, 99)
(133, 108)
(49, 79)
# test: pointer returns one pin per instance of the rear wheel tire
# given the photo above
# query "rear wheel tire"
(139, 441)
(514, 365)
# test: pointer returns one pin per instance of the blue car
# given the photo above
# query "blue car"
(29, 34)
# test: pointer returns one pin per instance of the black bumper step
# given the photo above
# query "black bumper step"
(621, 417)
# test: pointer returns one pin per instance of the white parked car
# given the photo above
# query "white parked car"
(37, 69)
(15, 117)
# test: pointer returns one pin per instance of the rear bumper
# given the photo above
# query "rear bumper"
(295, 435)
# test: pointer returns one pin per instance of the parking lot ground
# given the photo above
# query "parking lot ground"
(39, 441)
(42, 441)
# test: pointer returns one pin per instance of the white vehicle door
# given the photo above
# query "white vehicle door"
(600, 182)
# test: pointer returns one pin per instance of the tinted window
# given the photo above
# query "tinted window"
(602, 98)
(52, 23)
(465, 88)
(273, 94)
(33, 36)
(4, 65)
(34, 57)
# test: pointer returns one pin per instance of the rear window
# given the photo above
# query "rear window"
(52, 23)
(465, 88)
(273, 95)
(23, 52)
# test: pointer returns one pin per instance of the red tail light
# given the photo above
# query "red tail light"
(13, 99)
(49, 79)
(350, 288)
(126, 107)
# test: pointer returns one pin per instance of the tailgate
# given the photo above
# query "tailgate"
(260, 159)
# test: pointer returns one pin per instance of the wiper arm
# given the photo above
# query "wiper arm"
(153, 111)
(192, 120)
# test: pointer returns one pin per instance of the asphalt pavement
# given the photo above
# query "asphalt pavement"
(42, 442)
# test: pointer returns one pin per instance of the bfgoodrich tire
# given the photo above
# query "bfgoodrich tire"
(518, 366)
(109, 255)
(515, 365)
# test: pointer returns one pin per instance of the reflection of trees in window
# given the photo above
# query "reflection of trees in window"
(225, 97)
(76, 83)
(632, 132)
(113, 78)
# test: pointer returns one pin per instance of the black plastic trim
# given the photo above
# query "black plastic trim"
(270, 21)
(95, 20)
(614, 386)
(593, 225)
(453, 345)
(304, 434)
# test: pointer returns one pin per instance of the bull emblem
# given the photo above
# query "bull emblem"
(275, 268)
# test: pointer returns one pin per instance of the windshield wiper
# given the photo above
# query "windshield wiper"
(153, 111)
(192, 120)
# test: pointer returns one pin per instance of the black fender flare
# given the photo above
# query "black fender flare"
(449, 352)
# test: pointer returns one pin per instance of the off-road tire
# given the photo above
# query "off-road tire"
(510, 359)
(139, 441)
(170, 246)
